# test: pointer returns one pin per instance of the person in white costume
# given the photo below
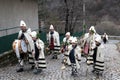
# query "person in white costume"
(74, 56)
(54, 41)
(38, 58)
(66, 42)
(98, 56)
(24, 35)
(24, 29)
(105, 38)
(88, 44)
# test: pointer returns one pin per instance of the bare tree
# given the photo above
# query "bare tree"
(73, 10)
(66, 16)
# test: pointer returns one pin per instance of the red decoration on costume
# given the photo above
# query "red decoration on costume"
(62, 50)
(86, 48)
(52, 43)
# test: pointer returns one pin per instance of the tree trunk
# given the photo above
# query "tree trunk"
(67, 16)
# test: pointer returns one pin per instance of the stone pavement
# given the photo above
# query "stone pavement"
(53, 71)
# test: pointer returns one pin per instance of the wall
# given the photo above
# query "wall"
(12, 11)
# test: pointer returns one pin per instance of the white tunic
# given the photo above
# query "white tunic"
(99, 64)
(41, 61)
(20, 32)
(56, 41)
(55, 37)
(30, 45)
(90, 39)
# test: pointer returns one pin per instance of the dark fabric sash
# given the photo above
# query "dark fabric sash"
(22, 36)
(95, 54)
(36, 51)
(72, 55)
(51, 41)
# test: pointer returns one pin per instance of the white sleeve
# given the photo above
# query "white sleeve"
(79, 54)
(58, 39)
(41, 43)
(102, 52)
(19, 34)
(30, 40)
(48, 37)
(107, 37)
(69, 48)
(85, 36)
(64, 39)
(29, 31)
(93, 45)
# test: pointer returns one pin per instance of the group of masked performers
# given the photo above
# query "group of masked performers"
(33, 46)
(91, 47)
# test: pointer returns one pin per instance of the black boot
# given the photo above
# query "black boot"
(93, 71)
(55, 56)
(73, 70)
(32, 67)
(36, 71)
(74, 73)
(20, 70)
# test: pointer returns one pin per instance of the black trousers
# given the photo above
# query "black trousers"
(94, 55)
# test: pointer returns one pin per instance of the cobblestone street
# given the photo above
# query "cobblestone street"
(54, 72)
